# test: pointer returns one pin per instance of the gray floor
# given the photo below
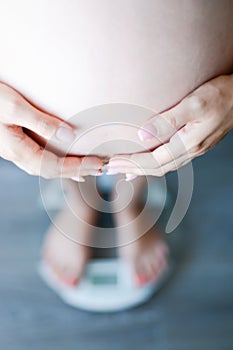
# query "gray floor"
(194, 311)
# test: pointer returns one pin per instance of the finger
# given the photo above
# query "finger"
(29, 156)
(163, 126)
(58, 169)
(131, 161)
(68, 167)
(172, 151)
(49, 166)
(136, 164)
(20, 112)
(158, 171)
(186, 143)
(130, 177)
(183, 147)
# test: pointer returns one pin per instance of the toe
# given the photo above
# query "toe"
(67, 276)
(143, 272)
(140, 273)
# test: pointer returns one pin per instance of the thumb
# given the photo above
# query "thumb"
(164, 125)
(43, 124)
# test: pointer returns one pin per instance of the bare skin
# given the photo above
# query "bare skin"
(66, 258)
(66, 246)
(145, 250)
(147, 255)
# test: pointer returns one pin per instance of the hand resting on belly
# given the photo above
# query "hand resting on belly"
(104, 131)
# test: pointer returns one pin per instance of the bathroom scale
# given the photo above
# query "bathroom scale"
(106, 286)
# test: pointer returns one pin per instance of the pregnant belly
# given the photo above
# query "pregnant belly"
(117, 63)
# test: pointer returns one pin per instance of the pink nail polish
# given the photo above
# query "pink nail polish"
(148, 132)
(130, 177)
(78, 178)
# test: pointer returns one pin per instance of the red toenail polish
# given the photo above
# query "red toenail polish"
(74, 282)
(69, 282)
(140, 280)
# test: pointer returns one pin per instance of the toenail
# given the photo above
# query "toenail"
(140, 280)
(70, 282)
(74, 282)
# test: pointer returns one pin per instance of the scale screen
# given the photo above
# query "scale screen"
(103, 279)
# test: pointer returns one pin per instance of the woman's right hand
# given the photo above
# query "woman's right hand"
(18, 147)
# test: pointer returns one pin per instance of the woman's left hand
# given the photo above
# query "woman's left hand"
(183, 132)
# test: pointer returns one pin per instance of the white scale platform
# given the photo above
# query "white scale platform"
(108, 284)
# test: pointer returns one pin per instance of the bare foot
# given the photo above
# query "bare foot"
(144, 248)
(66, 246)
(148, 256)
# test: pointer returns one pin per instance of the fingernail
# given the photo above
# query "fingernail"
(148, 132)
(130, 177)
(65, 134)
(78, 178)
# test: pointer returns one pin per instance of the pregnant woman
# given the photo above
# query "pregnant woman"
(59, 58)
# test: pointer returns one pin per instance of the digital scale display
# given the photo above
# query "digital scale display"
(104, 279)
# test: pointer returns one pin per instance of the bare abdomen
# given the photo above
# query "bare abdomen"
(67, 57)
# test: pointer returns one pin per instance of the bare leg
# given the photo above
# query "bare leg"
(66, 247)
(144, 249)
